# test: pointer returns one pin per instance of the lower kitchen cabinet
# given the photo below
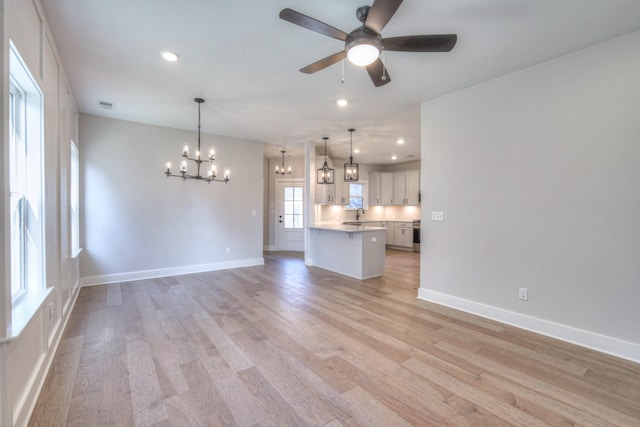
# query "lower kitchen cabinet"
(403, 235)
(391, 234)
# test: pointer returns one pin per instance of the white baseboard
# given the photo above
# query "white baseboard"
(164, 272)
(270, 248)
(613, 346)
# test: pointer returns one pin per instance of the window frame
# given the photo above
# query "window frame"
(17, 172)
(28, 177)
(74, 199)
(293, 215)
(365, 204)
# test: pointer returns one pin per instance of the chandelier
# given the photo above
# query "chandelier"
(351, 169)
(282, 171)
(212, 173)
(325, 173)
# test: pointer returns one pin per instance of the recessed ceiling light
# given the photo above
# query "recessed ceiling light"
(394, 157)
(400, 141)
(342, 102)
(170, 56)
(356, 151)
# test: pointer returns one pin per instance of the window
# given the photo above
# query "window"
(293, 207)
(27, 263)
(17, 190)
(356, 196)
(74, 199)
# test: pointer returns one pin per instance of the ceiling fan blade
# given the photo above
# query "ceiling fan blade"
(380, 13)
(312, 24)
(430, 43)
(378, 73)
(324, 63)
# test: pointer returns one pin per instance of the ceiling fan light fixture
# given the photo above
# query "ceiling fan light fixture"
(362, 52)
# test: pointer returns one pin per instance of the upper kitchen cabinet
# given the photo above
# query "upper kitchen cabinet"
(386, 188)
(341, 189)
(326, 193)
(394, 188)
(406, 188)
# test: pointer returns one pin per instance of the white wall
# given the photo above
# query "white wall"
(25, 355)
(136, 223)
(538, 175)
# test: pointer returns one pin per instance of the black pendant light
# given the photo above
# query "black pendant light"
(351, 169)
(213, 168)
(325, 173)
(282, 171)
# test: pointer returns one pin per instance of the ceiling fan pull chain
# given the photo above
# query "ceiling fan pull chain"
(342, 81)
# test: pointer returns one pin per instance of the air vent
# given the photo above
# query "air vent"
(409, 156)
(106, 105)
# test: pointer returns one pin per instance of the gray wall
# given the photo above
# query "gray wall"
(538, 173)
(136, 220)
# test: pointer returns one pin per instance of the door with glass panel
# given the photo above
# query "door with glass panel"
(290, 216)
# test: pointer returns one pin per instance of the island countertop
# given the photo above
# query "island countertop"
(345, 227)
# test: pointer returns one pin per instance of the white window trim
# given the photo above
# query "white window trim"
(365, 198)
(23, 309)
(74, 196)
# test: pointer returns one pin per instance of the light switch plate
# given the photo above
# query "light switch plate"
(437, 216)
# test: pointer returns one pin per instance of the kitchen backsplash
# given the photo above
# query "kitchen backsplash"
(337, 213)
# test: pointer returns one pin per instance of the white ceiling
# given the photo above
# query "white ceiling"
(244, 61)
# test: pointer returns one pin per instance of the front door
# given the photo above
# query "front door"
(290, 217)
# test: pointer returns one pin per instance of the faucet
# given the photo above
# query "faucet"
(358, 213)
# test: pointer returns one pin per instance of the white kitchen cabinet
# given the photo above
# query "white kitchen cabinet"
(386, 188)
(325, 193)
(399, 188)
(374, 188)
(406, 188)
(412, 187)
(391, 234)
(403, 234)
(341, 189)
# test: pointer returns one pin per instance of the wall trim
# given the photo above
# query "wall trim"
(165, 272)
(270, 248)
(28, 403)
(604, 344)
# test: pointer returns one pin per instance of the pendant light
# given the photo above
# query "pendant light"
(282, 171)
(325, 173)
(184, 164)
(351, 169)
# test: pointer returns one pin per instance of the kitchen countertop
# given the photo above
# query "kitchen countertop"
(346, 228)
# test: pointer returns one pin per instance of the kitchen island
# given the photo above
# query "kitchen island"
(353, 250)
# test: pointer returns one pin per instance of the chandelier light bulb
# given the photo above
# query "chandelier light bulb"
(185, 151)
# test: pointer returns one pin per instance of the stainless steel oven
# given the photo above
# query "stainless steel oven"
(416, 235)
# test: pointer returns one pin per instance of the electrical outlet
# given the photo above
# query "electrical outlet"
(228, 250)
(50, 310)
(523, 294)
(374, 239)
(437, 216)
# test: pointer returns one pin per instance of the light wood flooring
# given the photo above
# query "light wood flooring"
(284, 344)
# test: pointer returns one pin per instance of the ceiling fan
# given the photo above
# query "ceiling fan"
(363, 45)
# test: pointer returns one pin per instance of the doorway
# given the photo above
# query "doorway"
(290, 199)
